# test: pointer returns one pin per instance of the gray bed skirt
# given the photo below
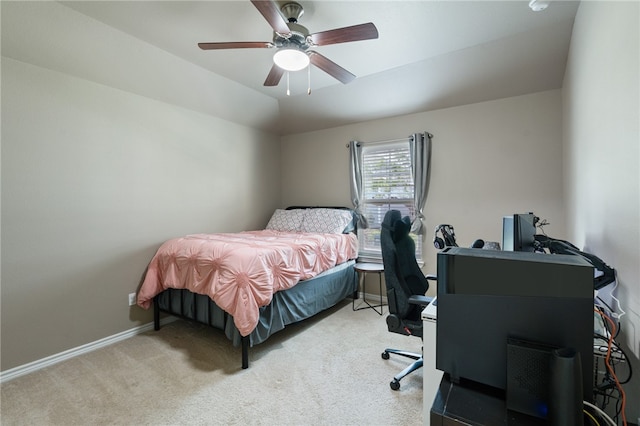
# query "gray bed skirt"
(300, 302)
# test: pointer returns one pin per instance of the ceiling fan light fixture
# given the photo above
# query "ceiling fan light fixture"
(291, 59)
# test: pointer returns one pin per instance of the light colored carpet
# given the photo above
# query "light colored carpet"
(325, 370)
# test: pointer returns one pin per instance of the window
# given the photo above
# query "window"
(387, 184)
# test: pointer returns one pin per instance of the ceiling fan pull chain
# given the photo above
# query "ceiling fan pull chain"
(288, 92)
(308, 79)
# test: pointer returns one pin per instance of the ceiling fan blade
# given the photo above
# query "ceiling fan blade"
(235, 45)
(274, 76)
(270, 11)
(331, 68)
(366, 31)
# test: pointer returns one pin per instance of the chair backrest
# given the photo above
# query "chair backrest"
(402, 274)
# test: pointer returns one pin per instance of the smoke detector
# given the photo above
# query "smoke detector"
(539, 5)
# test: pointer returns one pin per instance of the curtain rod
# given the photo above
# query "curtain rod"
(389, 141)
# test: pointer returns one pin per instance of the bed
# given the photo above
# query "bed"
(252, 284)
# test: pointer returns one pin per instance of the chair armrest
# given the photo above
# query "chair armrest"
(420, 300)
(431, 277)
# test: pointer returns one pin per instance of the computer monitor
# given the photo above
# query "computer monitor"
(486, 297)
(518, 232)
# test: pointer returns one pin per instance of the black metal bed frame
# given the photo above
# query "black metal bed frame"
(183, 313)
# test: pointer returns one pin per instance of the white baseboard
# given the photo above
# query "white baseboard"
(31, 367)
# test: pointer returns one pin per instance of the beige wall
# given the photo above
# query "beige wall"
(601, 104)
(489, 160)
(93, 180)
(109, 147)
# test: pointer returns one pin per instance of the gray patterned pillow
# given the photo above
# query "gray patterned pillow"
(325, 221)
(286, 220)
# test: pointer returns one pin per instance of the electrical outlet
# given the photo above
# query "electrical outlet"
(132, 299)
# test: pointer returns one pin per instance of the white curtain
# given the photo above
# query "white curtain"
(420, 151)
(355, 165)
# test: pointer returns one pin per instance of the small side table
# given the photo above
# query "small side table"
(363, 269)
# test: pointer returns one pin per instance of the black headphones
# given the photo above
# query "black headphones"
(448, 237)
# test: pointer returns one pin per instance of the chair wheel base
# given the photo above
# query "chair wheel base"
(418, 363)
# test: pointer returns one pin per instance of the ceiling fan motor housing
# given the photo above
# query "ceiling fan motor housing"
(297, 38)
(292, 11)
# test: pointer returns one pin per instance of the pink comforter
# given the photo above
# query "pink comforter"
(241, 272)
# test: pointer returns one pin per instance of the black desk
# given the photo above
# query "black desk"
(474, 404)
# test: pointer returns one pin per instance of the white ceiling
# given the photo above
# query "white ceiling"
(429, 54)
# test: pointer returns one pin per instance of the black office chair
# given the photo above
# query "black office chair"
(406, 287)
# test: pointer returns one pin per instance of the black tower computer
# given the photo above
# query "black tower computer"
(498, 305)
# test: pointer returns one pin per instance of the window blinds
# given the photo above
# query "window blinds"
(387, 184)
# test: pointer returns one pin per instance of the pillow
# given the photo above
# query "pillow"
(326, 221)
(286, 220)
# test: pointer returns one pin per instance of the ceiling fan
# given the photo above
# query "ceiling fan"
(293, 42)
